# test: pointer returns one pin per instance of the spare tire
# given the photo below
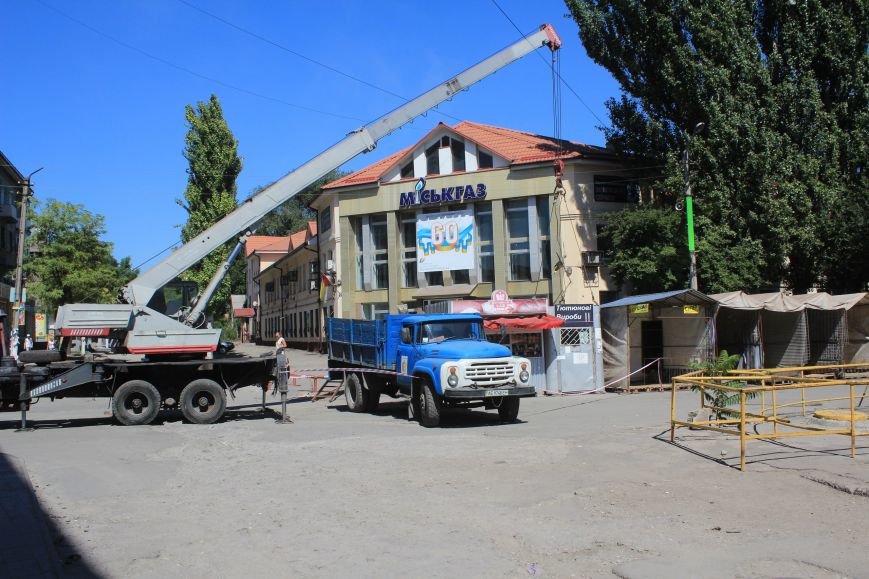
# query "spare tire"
(39, 356)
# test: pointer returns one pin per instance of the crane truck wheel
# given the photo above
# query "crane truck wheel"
(355, 395)
(136, 402)
(429, 405)
(203, 401)
(508, 410)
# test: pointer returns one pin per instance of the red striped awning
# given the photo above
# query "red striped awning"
(538, 322)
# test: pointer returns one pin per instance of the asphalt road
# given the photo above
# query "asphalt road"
(579, 487)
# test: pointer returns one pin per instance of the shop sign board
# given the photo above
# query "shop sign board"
(445, 240)
(639, 308)
(691, 309)
(433, 196)
(500, 304)
(576, 315)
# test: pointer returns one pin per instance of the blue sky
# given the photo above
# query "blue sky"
(106, 118)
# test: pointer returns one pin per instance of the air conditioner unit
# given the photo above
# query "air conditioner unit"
(592, 258)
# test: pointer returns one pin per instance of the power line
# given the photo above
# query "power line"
(190, 71)
(290, 51)
(561, 78)
(362, 81)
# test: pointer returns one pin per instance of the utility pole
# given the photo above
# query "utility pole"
(689, 207)
(20, 303)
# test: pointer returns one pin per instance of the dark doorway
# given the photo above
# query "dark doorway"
(652, 333)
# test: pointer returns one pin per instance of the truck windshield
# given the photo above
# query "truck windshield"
(441, 331)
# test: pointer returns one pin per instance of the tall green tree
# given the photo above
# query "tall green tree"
(292, 215)
(778, 174)
(212, 153)
(69, 262)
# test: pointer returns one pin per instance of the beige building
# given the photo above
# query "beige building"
(394, 233)
(284, 283)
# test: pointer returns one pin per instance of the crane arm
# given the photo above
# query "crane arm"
(140, 290)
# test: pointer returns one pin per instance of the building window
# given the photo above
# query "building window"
(458, 152)
(484, 160)
(358, 233)
(486, 245)
(543, 221)
(604, 242)
(518, 243)
(375, 311)
(461, 276)
(408, 250)
(434, 278)
(325, 219)
(615, 189)
(380, 249)
(407, 170)
(432, 160)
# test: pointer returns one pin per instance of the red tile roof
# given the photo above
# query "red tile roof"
(244, 313)
(280, 244)
(266, 243)
(517, 147)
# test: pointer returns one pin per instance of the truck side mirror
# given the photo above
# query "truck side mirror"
(406, 335)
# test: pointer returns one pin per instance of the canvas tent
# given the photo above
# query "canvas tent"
(778, 330)
(674, 326)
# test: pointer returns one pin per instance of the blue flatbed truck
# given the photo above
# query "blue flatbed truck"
(438, 360)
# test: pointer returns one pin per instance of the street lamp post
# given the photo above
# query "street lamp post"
(20, 303)
(689, 207)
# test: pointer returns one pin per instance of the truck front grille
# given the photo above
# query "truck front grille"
(484, 373)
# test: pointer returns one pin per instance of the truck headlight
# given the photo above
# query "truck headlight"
(524, 376)
(453, 379)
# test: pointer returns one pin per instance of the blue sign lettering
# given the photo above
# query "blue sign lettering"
(407, 199)
(459, 193)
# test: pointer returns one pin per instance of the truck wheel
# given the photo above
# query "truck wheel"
(509, 409)
(429, 406)
(355, 394)
(203, 401)
(136, 402)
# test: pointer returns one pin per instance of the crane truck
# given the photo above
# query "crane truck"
(165, 356)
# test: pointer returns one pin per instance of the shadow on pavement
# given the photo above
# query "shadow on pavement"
(450, 417)
(763, 455)
(34, 545)
(233, 414)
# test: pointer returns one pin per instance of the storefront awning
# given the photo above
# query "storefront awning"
(538, 322)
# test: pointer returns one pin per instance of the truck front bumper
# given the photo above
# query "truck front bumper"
(483, 393)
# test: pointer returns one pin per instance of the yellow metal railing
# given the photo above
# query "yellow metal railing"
(769, 383)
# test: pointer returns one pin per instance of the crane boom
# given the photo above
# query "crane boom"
(140, 290)
(145, 330)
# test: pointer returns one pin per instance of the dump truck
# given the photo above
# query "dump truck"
(162, 353)
(439, 361)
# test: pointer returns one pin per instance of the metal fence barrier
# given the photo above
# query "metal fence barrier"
(726, 397)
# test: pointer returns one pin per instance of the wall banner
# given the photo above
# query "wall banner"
(445, 241)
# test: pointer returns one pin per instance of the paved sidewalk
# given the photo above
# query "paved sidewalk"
(27, 549)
